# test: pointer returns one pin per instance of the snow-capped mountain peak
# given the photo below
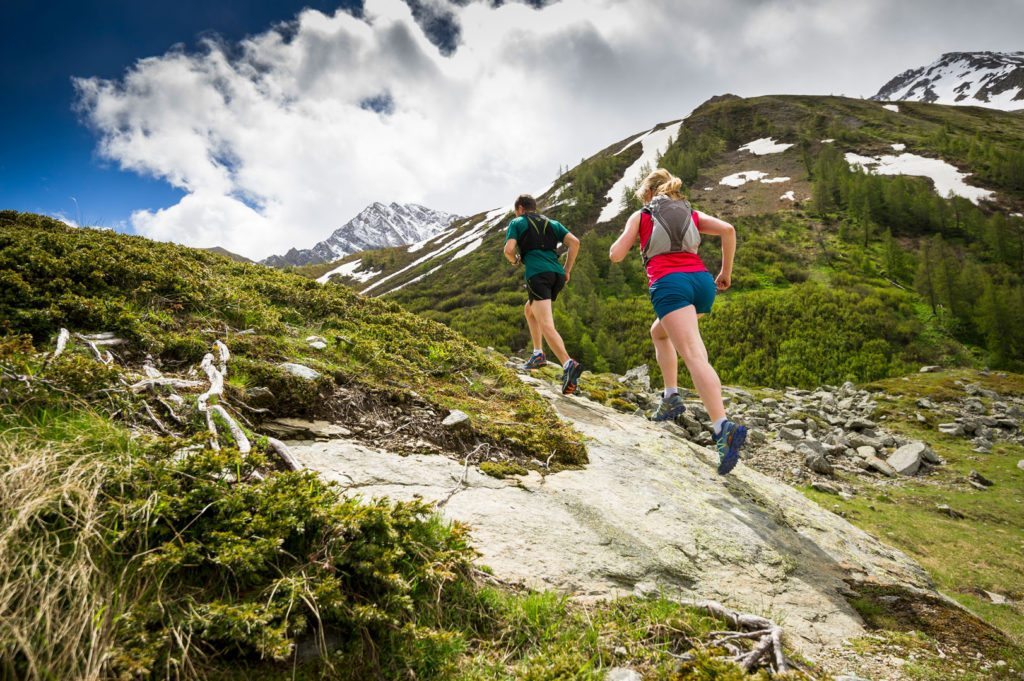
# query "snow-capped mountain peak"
(379, 225)
(990, 79)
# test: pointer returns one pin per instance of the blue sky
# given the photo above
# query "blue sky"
(47, 155)
(274, 134)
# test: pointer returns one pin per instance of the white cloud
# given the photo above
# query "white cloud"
(272, 143)
(70, 222)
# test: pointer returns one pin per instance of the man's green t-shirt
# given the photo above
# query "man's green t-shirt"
(536, 260)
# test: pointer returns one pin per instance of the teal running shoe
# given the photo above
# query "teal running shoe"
(728, 442)
(535, 362)
(570, 376)
(670, 408)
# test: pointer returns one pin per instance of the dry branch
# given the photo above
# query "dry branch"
(104, 358)
(285, 454)
(766, 635)
(170, 410)
(156, 421)
(176, 383)
(62, 342)
(241, 441)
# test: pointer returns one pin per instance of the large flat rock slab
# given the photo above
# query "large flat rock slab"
(648, 510)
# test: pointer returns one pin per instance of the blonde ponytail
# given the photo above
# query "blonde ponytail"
(660, 182)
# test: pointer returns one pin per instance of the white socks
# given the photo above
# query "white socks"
(669, 392)
(717, 426)
(538, 351)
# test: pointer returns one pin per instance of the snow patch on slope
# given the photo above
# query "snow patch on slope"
(741, 178)
(477, 231)
(892, 107)
(632, 142)
(420, 244)
(947, 179)
(765, 145)
(349, 270)
(654, 143)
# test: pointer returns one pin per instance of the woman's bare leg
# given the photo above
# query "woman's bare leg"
(668, 360)
(682, 330)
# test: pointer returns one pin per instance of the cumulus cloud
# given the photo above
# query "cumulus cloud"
(458, 105)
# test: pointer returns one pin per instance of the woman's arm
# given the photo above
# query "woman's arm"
(620, 249)
(722, 229)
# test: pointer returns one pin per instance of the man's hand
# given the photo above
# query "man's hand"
(723, 280)
(568, 275)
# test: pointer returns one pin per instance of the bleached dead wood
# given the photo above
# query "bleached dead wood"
(62, 342)
(212, 427)
(216, 377)
(150, 369)
(225, 355)
(106, 358)
(169, 409)
(176, 383)
(156, 420)
(285, 454)
(241, 441)
(766, 635)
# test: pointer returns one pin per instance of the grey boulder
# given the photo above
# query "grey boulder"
(907, 459)
(301, 370)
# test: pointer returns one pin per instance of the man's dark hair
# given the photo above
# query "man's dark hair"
(527, 203)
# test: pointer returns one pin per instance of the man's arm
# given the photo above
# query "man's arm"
(571, 242)
(511, 251)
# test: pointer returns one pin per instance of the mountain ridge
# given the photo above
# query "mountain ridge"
(379, 225)
(989, 79)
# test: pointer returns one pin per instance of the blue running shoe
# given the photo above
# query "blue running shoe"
(535, 362)
(570, 377)
(670, 408)
(728, 443)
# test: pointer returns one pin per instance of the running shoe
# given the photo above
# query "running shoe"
(670, 408)
(535, 362)
(728, 443)
(570, 376)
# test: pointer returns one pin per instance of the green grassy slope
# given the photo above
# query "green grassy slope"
(173, 302)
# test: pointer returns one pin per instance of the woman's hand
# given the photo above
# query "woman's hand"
(723, 280)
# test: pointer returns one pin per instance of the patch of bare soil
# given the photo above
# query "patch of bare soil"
(404, 424)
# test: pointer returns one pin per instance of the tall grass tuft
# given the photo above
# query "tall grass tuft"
(56, 600)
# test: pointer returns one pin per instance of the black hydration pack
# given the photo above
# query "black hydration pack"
(672, 228)
(538, 236)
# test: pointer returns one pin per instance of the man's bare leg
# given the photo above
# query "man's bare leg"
(546, 322)
(535, 333)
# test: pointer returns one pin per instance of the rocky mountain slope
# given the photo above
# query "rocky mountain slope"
(377, 226)
(648, 513)
(990, 79)
(838, 203)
